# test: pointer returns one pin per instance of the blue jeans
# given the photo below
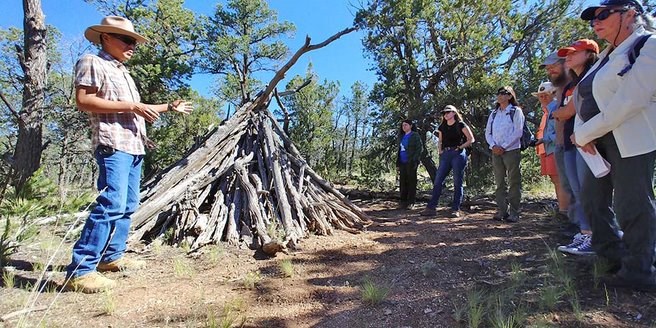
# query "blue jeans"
(562, 174)
(104, 236)
(449, 159)
(576, 170)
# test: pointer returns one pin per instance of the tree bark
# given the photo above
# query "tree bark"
(33, 60)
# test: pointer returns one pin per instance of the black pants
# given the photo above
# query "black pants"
(624, 197)
(408, 182)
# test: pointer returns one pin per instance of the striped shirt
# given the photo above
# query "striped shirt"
(122, 131)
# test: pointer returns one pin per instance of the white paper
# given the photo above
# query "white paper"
(597, 164)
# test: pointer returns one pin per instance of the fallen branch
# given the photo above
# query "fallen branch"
(21, 312)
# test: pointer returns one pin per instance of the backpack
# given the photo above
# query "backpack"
(634, 53)
(527, 136)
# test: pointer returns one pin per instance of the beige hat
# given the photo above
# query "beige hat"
(449, 108)
(112, 24)
(545, 87)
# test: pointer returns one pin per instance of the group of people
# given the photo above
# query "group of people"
(595, 102)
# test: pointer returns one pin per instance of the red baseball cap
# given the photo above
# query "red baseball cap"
(583, 44)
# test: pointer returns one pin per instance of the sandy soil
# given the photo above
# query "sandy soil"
(432, 268)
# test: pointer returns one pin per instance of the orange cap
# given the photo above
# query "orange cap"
(583, 44)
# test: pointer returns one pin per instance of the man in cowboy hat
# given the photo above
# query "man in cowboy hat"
(105, 90)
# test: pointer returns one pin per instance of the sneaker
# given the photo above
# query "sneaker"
(89, 283)
(500, 216)
(456, 214)
(584, 249)
(578, 240)
(121, 264)
(512, 218)
(428, 212)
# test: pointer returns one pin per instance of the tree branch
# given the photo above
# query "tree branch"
(11, 108)
(264, 97)
(289, 92)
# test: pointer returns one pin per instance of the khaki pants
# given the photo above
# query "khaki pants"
(507, 165)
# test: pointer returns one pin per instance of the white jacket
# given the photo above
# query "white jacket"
(627, 104)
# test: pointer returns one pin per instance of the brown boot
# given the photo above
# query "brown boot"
(89, 283)
(121, 264)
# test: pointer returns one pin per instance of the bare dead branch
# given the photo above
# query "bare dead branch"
(11, 108)
(264, 97)
(289, 92)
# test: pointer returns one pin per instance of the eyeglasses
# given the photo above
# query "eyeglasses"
(503, 93)
(605, 14)
(128, 40)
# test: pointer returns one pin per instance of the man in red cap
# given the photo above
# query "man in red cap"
(105, 90)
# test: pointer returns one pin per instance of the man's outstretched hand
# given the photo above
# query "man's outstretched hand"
(181, 106)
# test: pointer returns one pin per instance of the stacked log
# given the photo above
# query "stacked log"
(245, 184)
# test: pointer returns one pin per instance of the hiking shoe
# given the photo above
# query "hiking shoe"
(456, 214)
(500, 216)
(578, 240)
(512, 218)
(428, 212)
(89, 283)
(585, 248)
(121, 264)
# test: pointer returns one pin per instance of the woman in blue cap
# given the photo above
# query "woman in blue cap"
(616, 116)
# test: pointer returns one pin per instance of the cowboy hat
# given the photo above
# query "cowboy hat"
(545, 87)
(115, 25)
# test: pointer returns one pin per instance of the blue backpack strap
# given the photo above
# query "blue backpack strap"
(634, 53)
(513, 110)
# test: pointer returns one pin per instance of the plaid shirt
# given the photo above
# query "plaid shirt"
(122, 131)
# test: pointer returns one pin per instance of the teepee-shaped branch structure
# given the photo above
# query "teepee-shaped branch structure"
(246, 182)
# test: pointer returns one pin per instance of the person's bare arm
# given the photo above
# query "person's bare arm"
(566, 112)
(88, 101)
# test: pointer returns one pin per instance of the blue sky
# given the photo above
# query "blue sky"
(341, 61)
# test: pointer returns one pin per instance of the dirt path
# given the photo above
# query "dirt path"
(433, 268)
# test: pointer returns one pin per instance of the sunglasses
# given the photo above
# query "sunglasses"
(605, 14)
(128, 40)
(503, 93)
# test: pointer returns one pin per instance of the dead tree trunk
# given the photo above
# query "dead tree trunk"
(27, 153)
(246, 183)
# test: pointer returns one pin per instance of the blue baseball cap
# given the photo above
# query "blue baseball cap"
(551, 59)
(589, 13)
